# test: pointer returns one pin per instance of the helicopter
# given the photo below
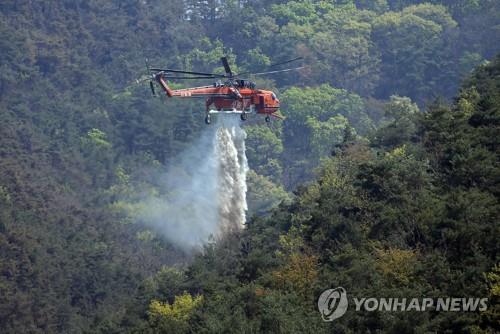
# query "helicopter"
(229, 94)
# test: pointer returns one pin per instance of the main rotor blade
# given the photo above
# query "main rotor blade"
(187, 78)
(143, 78)
(277, 71)
(167, 70)
(286, 62)
(226, 66)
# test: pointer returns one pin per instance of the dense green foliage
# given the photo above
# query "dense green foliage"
(398, 201)
(407, 216)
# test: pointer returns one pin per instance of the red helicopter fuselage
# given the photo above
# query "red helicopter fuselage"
(228, 95)
(234, 98)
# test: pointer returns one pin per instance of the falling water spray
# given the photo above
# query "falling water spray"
(203, 194)
(232, 170)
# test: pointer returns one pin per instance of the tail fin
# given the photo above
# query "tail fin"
(164, 85)
(159, 78)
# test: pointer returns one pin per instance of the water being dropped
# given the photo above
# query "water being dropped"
(203, 194)
(231, 185)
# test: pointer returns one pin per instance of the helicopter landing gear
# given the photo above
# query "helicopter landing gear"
(207, 119)
(268, 119)
(243, 116)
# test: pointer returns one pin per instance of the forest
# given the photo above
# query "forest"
(383, 178)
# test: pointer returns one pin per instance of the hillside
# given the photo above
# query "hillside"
(415, 217)
(383, 178)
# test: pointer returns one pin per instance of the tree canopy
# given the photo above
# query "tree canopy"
(383, 178)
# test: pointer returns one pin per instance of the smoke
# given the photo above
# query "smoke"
(203, 195)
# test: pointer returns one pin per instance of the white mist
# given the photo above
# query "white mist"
(203, 194)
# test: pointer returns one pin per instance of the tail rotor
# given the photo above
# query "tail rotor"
(148, 77)
(151, 84)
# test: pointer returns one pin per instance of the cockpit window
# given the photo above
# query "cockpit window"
(273, 96)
